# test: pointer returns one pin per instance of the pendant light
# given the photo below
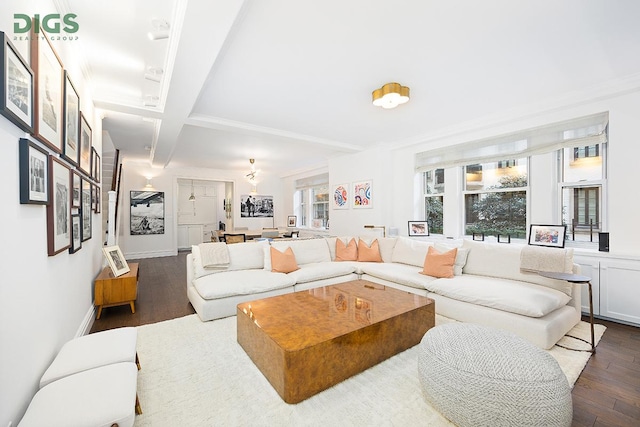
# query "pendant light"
(192, 198)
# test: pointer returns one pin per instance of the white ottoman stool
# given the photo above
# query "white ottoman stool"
(92, 351)
(104, 396)
(479, 376)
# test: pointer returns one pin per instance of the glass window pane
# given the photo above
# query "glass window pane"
(434, 181)
(433, 210)
(508, 173)
(581, 213)
(497, 213)
(582, 163)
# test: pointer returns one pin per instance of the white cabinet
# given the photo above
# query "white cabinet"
(620, 290)
(189, 235)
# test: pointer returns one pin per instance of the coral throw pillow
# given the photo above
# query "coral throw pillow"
(283, 262)
(346, 252)
(369, 253)
(438, 264)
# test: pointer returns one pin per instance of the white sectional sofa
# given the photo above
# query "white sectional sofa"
(488, 288)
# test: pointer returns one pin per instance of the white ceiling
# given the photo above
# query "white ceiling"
(289, 82)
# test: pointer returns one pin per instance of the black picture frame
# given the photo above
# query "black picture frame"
(418, 228)
(48, 89)
(59, 209)
(76, 189)
(85, 210)
(71, 114)
(34, 173)
(76, 233)
(16, 92)
(479, 237)
(146, 214)
(552, 236)
(84, 160)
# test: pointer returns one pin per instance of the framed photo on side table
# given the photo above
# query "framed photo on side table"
(418, 228)
(116, 260)
(34, 173)
(59, 209)
(547, 235)
(16, 90)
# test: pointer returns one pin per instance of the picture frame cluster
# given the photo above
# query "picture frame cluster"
(59, 168)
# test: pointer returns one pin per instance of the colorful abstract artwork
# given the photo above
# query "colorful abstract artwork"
(341, 196)
(362, 195)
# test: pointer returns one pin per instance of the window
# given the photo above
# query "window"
(311, 201)
(433, 190)
(495, 198)
(582, 180)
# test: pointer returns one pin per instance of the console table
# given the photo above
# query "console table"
(111, 291)
(576, 278)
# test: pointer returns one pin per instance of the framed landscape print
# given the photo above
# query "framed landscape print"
(86, 210)
(147, 213)
(76, 233)
(340, 196)
(418, 228)
(48, 83)
(34, 173)
(362, 195)
(76, 189)
(547, 235)
(71, 112)
(85, 146)
(16, 90)
(59, 209)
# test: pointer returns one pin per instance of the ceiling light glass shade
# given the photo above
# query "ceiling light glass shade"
(390, 95)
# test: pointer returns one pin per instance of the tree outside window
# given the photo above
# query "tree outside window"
(433, 189)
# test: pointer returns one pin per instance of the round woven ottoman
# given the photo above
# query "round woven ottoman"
(479, 376)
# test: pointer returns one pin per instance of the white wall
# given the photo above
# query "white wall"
(44, 301)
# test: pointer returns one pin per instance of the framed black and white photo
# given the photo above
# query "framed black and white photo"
(547, 235)
(34, 173)
(86, 210)
(418, 228)
(76, 189)
(85, 146)
(116, 260)
(59, 209)
(256, 206)
(71, 111)
(76, 233)
(95, 165)
(48, 84)
(16, 92)
(98, 201)
(146, 213)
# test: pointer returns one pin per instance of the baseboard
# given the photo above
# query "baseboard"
(87, 322)
(156, 254)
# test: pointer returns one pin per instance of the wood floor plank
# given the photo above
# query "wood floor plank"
(606, 393)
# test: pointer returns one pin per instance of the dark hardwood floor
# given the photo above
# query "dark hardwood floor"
(606, 394)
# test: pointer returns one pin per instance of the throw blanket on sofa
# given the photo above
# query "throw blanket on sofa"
(214, 256)
(534, 259)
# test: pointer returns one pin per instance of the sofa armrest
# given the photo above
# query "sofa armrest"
(189, 270)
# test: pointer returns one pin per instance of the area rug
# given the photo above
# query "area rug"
(196, 374)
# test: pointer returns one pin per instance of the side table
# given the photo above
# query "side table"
(584, 280)
(111, 291)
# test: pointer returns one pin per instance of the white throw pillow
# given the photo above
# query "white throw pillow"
(409, 251)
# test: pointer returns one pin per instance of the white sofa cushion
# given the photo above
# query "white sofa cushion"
(513, 296)
(409, 251)
(408, 275)
(322, 270)
(306, 251)
(231, 283)
(503, 261)
(242, 256)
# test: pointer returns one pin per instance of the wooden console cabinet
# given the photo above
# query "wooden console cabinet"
(111, 291)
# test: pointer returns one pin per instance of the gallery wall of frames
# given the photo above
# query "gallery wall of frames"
(59, 167)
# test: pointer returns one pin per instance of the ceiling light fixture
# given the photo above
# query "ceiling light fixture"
(390, 95)
(253, 173)
(161, 30)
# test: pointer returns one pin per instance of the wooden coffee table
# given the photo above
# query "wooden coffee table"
(307, 341)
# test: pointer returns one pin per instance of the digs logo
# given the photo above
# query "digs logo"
(50, 23)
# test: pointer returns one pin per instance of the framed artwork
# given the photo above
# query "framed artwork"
(86, 210)
(76, 233)
(59, 209)
(116, 260)
(98, 200)
(76, 189)
(16, 92)
(256, 206)
(71, 111)
(94, 196)
(146, 213)
(362, 195)
(418, 228)
(84, 160)
(547, 235)
(95, 165)
(340, 196)
(48, 84)
(34, 173)
(292, 220)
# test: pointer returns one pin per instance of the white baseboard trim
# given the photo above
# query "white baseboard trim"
(156, 254)
(87, 322)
